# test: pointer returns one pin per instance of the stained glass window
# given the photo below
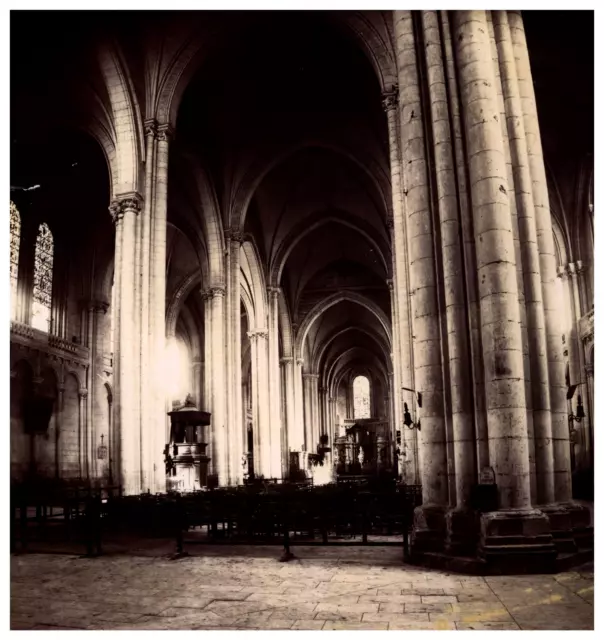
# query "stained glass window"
(43, 259)
(362, 407)
(15, 238)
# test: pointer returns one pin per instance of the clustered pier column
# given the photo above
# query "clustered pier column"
(469, 183)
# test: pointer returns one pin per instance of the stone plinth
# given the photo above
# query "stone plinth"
(517, 539)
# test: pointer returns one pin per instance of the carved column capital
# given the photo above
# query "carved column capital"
(562, 272)
(390, 283)
(97, 306)
(300, 362)
(273, 292)
(205, 294)
(286, 360)
(390, 99)
(257, 333)
(150, 128)
(165, 132)
(124, 203)
(83, 393)
(390, 223)
(234, 235)
(218, 290)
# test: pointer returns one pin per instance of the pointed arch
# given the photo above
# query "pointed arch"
(316, 221)
(127, 122)
(330, 301)
(251, 266)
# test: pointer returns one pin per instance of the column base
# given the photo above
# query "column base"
(429, 529)
(463, 527)
(517, 540)
(582, 526)
(561, 526)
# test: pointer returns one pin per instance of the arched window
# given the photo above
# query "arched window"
(43, 259)
(15, 239)
(362, 406)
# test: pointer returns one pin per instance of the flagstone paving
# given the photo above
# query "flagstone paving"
(247, 588)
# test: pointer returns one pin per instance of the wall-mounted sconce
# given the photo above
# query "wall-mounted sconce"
(580, 412)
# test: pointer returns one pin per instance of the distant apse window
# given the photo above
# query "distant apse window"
(43, 261)
(360, 389)
(15, 239)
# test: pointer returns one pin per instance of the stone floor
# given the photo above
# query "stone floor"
(323, 588)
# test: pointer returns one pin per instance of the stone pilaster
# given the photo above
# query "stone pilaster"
(423, 289)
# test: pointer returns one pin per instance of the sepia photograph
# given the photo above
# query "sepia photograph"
(301, 318)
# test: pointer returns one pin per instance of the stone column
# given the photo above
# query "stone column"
(159, 433)
(208, 387)
(516, 523)
(529, 254)
(262, 463)
(83, 439)
(545, 241)
(96, 410)
(400, 289)
(299, 405)
(459, 520)
(395, 381)
(124, 211)
(274, 386)
(218, 373)
(467, 249)
(237, 426)
(308, 415)
(502, 340)
(316, 410)
(429, 519)
(149, 404)
(253, 397)
(293, 437)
